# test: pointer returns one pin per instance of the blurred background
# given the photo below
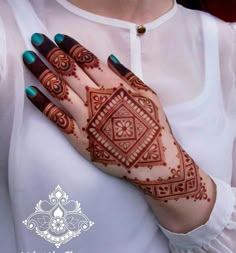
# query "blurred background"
(225, 9)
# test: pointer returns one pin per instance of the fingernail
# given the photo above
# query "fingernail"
(114, 59)
(117, 65)
(37, 39)
(30, 91)
(29, 57)
(59, 38)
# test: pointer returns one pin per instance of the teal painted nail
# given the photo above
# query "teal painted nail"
(114, 59)
(29, 57)
(59, 38)
(30, 91)
(37, 39)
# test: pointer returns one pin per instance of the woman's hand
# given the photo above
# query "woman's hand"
(113, 119)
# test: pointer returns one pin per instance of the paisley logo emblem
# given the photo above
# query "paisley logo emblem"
(58, 220)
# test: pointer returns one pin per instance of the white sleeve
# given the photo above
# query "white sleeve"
(218, 234)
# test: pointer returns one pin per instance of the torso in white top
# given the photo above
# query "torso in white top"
(178, 57)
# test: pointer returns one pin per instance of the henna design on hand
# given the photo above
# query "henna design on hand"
(62, 63)
(59, 117)
(55, 85)
(123, 130)
(84, 58)
(137, 83)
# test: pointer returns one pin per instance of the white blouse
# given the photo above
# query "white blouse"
(189, 59)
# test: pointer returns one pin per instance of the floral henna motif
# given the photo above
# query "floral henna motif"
(56, 86)
(98, 101)
(63, 121)
(62, 63)
(122, 131)
(184, 181)
(84, 58)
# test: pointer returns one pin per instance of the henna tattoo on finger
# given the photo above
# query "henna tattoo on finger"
(55, 85)
(60, 118)
(84, 58)
(129, 76)
(54, 113)
(137, 83)
(62, 63)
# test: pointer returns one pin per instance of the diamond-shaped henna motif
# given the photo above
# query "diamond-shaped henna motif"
(123, 131)
(122, 127)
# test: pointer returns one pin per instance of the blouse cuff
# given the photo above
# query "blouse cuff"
(219, 218)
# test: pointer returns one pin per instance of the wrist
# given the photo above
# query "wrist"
(185, 214)
(179, 178)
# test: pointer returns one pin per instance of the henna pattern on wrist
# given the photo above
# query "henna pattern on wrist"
(84, 58)
(55, 85)
(123, 129)
(184, 181)
(60, 118)
(62, 63)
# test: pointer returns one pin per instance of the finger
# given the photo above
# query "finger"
(56, 86)
(63, 64)
(92, 66)
(63, 121)
(128, 76)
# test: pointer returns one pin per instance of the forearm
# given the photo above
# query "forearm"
(184, 215)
